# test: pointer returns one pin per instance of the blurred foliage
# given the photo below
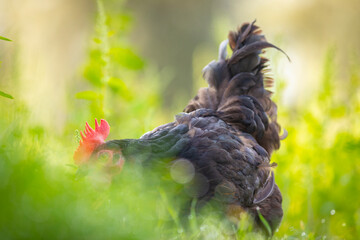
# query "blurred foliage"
(43, 195)
(318, 169)
(120, 84)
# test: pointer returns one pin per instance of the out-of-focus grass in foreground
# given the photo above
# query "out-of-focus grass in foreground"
(43, 195)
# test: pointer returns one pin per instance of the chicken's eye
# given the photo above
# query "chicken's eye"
(104, 156)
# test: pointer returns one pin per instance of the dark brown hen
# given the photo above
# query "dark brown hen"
(227, 132)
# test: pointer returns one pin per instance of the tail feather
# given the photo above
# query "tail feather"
(237, 87)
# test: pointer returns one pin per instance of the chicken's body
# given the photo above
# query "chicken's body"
(227, 132)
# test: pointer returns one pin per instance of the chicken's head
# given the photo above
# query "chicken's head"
(91, 147)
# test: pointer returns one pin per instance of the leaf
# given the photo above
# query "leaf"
(94, 71)
(119, 87)
(126, 58)
(88, 95)
(97, 40)
(6, 95)
(5, 39)
(266, 224)
(117, 84)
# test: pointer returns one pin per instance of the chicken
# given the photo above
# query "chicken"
(226, 133)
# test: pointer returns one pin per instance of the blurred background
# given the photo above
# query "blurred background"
(137, 63)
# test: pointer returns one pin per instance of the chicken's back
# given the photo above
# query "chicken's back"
(231, 168)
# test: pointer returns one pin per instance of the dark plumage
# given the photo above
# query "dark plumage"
(228, 132)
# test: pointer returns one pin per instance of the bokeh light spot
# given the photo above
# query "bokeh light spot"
(182, 171)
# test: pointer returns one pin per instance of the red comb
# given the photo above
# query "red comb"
(90, 140)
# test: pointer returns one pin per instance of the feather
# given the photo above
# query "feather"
(242, 75)
(251, 48)
(266, 191)
(222, 49)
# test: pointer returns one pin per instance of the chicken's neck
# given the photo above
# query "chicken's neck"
(145, 150)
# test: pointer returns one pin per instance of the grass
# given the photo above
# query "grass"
(43, 195)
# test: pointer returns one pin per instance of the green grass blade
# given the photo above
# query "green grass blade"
(173, 213)
(266, 224)
(6, 95)
(5, 39)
